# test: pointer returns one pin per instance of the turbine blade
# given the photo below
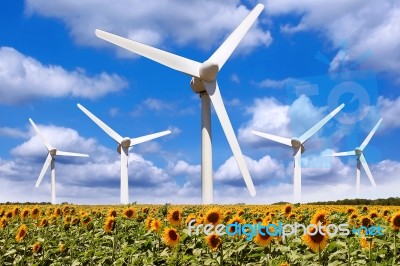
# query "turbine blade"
(216, 99)
(297, 177)
(48, 146)
(170, 60)
(101, 124)
(368, 138)
(139, 140)
(366, 168)
(44, 169)
(345, 153)
(124, 176)
(282, 140)
(221, 55)
(65, 153)
(320, 124)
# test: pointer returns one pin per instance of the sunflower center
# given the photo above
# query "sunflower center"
(213, 217)
(175, 216)
(215, 241)
(172, 235)
(396, 221)
(317, 238)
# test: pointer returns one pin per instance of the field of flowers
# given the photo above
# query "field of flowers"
(158, 235)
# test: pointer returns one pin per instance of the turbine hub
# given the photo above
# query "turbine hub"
(358, 151)
(208, 71)
(126, 142)
(53, 151)
(296, 143)
(196, 85)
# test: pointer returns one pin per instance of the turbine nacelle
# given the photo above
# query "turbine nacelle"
(196, 85)
(208, 71)
(358, 151)
(53, 152)
(125, 143)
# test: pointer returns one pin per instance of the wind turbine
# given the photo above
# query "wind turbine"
(205, 84)
(123, 149)
(298, 145)
(359, 152)
(50, 161)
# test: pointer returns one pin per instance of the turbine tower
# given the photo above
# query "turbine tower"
(298, 148)
(123, 149)
(359, 152)
(205, 84)
(50, 161)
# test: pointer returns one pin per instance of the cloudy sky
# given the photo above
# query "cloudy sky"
(298, 62)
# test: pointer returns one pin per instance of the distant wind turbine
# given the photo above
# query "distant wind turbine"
(50, 161)
(204, 82)
(359, 152)
(123, 149)
(298, 148)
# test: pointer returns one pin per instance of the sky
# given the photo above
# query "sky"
(299, 61)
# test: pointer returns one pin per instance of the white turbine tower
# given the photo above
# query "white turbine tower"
(361, 158)
(205, 84)
(50, 161)
(298, 148)
(123, 149)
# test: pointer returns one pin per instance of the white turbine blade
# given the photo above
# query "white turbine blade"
(139, 140)
(282, 140)
(170, 60)
(101, 124)
(44, 169)
(366, 168)
(216, 99)
(297, 177)
(124, 176)
(368, 138)
(48, 146)
(65, 153)
(345, 153)
(320, 124)
(226, 49)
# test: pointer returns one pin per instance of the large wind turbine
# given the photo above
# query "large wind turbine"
(123, 149)
(52, 153)
(205, 84)
(361, 158)
(298, 148)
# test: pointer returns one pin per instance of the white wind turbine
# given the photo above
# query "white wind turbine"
(298, 148)
(123, 149)
(205, 84)
(361, 158)
(50, 161)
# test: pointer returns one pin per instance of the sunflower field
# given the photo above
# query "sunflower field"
(158, 235)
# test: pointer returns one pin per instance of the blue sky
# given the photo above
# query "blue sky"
(297, 63)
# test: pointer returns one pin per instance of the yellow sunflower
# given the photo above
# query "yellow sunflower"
(3, 222)
(86, 220)
(36, 248)
(366, 221)
(316, 242)
(287, 209)
(128, 213)
(189, 218)
(35, 213)
(365, 242)
(62, 248)
(112, 213)
(373, 215)
(263, 240)
(15, 212)
(320, 216)
(213, 216)
(213, 241)
(155, 225)
(25, 213)
(22, 232)
(148, 222)
(171, 237)
(235, 219)
(43, 222)
(109, 224)
(395, 221)
(175, 217)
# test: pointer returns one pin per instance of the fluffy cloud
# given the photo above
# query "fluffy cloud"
(365, 27)
(153, 22)
(23, 78)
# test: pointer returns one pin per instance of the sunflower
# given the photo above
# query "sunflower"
(171, 237)
(22, 232)
(257, 220)
(35, 213)
(284, 264)
(58, 212)
(235, 219)
(75, 221)
(395, 221)
(213, 241)
(36, 248)
(189, 218)
(25, 213)
(43, 222)
(9, 215)
(366, 221)
(86, 220)
(350, 210)
(385, 212)
(128, 213)
(66, 210)
(292, 215)
(15, 212)
(155, 225)
(320, 216)
(287, 209)
(365, 242)
(263, 240)
(213, 216)
(109, 224)
(175, 217)
(316, 242)
(373, 215)
(148, 222)
(62, 248)
(3, 222)
(112, 213)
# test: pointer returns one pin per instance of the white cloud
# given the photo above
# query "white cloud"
(362, 26)
(23, 78)
(158, 23)
(12, 132)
